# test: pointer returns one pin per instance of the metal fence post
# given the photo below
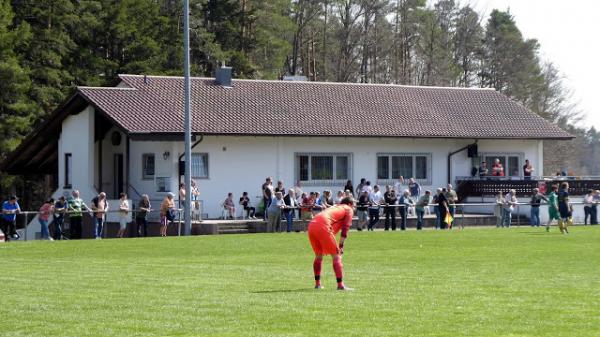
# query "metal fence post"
(462, 217)
(25, 225)
(179, 224)
(518, 215)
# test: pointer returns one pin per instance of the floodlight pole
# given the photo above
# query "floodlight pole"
(187, 209)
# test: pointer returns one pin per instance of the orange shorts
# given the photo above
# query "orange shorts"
(322, 240)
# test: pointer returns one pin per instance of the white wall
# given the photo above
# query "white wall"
(238, 164)
(77, 138)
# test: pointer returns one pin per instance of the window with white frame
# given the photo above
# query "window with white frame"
(510, 161)
(323, 168)
(148, 166)
(390, 166)
(200, 165)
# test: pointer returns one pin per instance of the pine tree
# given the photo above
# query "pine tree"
(15, 84)
(47, 58)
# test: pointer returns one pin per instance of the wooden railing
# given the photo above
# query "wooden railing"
(477, 187)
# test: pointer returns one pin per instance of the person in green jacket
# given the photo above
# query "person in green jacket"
(76, 206)
(552, 207)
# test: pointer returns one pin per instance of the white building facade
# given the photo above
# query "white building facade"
(130, 138)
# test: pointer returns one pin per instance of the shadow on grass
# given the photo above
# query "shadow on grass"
(274, 291)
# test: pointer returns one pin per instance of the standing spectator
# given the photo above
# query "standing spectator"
(45, 212)
(452, 198)
(280, 187)
(594, 220)
(536, 201)
(367, 187)
(498, 209)
(552, 207)
(76, 206)
(338, 199)
(274, 210)
(99, 208)
(361, 210)
(375, 200)
(267, 193)
(415, 193)
(181, 195)
(564, 208)
(326, 199)
(308, 201)
(483, 169)
(245, 202)
(348, 186)
(420, 208)
(497, 168)
(167, 213)
(10, 209)
(390, 199)
(123, 213)
(290, 205)
(298, 189)
(527, 170)
(414, 188)
(229, 206)
(442, 207)
(195, 201)
(510, 200)
(405, 202)
(359, 187)
(141, 217)
(195, 191)
(436, 208)
(588, 201)
(60, 208)
(299, 195)
(398, 185)
(318, 205)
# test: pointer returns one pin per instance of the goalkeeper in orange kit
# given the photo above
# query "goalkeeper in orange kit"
(321, 233)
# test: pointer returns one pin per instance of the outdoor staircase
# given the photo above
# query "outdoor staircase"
(234, 228)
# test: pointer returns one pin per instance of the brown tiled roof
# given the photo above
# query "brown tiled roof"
(253, 107)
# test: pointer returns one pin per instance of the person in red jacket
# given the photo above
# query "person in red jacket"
(321, 233)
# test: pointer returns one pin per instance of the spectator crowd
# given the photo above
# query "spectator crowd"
(395, 203)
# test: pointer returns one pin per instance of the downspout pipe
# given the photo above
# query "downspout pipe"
(450, 160)
(183, 154)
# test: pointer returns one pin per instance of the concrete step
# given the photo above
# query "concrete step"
(233, 226)
(234, 231)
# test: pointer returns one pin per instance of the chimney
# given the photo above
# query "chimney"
(223, 76)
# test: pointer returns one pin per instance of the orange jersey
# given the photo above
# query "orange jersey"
(322, 229)
(334, 219)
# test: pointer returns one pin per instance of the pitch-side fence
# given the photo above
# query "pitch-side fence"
(460, 211)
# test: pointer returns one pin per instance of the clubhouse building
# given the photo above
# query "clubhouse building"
(129, 138)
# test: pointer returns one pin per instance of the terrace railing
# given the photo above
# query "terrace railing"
(490, 186)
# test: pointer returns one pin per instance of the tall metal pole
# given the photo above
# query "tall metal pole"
(188, 119)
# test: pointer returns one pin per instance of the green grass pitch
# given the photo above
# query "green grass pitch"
(475, 282)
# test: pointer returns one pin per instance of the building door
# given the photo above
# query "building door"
(118, 175)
